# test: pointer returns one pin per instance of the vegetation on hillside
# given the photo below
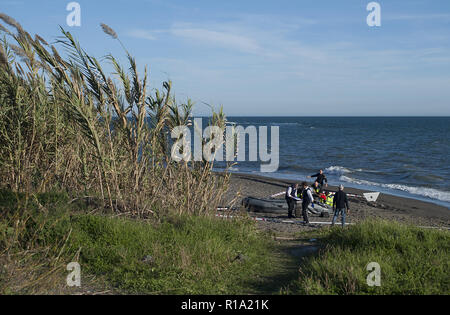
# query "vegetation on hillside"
(179, 255)
(86, 176)
(67, 125)
(413, 261)
(68, 128)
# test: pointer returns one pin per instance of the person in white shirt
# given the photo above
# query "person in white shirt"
(291, 198)
(307, 200)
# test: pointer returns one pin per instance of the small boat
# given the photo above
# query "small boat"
(279, 206)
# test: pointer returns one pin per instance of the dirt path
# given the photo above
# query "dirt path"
(289, 253)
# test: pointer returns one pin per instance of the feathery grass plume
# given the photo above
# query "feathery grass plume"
(109, 31)
(44, 66)
(68, 135)
(4, 29)
(26, 36)
(10, 21)
(3, 58)
(40, 39)
(57, 56)
(18, 50)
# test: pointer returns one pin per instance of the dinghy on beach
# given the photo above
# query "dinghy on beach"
(279, 206)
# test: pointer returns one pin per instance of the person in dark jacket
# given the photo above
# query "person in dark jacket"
(291, 198)
(320, 178)
(340, 205)
(307, 199)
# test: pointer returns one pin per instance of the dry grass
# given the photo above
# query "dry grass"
(66, 124)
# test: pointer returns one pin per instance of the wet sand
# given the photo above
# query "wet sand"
(388, 207)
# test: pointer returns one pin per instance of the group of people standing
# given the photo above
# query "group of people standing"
(306, 194)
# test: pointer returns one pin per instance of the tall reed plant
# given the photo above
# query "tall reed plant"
(66, 124)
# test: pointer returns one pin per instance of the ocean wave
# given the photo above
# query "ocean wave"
(293, 167)
(337, 170)
(359, 181)
(419, 191)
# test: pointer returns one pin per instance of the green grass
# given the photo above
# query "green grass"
(189, 254)
(412, 261)
(196, 255)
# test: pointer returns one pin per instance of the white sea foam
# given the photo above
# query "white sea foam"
(358, 181)
(419, 191)
(337, 170)
(424, 191)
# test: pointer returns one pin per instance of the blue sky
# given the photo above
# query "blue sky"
(281, 58)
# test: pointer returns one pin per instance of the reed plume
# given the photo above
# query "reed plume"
(10, 21)
(57, 56)
(4, 29)
(18, 50)
(3, 57)
(40, 39)
(76, 127)
(109, 31)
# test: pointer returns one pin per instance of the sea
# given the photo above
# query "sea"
(402, 156)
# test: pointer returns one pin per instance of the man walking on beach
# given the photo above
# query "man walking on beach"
(307, 200)
(320, 178)
(291, 198)
(340, 205)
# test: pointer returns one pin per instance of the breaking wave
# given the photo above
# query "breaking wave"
(419, 191)
(339, 170)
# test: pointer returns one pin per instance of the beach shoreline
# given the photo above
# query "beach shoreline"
(388, 207)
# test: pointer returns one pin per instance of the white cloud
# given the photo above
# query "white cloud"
(219, 38)
(250, 34)
(264, 55)
(142, 34)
